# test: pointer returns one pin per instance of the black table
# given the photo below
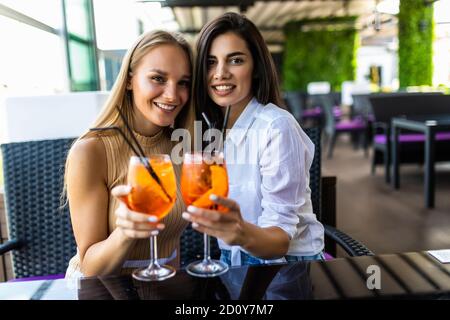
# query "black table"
(405, 275)
(429, 125)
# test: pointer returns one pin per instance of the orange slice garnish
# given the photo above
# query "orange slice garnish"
(219, 186)
(146, 195)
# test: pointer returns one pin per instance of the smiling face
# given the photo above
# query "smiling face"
(160, 85)
(230, 69)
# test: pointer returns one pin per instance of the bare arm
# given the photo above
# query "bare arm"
(100, 253)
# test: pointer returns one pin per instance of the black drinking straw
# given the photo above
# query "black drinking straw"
(224, 127)
(207, 120)
(121, 133)
(225, 119)
(225, 122)
(210, 126)
(139, 152)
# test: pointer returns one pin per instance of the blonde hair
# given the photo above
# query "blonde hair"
(121, 97)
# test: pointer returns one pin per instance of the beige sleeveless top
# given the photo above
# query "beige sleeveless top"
(117, 156)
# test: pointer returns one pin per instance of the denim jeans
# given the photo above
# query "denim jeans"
(247, 259)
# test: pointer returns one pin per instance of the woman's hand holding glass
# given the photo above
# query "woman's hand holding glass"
(226, 223)
(134, 225)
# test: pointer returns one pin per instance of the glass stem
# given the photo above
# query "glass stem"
(206, 248)
(153, 252)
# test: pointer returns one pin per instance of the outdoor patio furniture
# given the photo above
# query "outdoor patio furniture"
(355, 126)
(41, 240)
(387, 106)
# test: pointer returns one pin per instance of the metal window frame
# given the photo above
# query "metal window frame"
(20, 17)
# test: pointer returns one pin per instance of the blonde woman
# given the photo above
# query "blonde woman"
(153, 92)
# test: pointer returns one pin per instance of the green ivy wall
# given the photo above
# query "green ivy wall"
(327, 54)
(415, 35)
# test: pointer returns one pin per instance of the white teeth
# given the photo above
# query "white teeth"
(223, 88)
(165, 106)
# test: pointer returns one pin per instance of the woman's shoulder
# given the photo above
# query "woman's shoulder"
(281, 123)
(88, 149)
(86, 164)
(275, 116)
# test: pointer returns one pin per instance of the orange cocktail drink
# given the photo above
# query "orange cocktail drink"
(146, 195)
(153, 192)
(201, 177)
(204, 174)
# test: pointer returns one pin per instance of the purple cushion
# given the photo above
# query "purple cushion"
(47, 277)
(350, 125)
(328, 256)
(312, 113)
(408, 138)
(337, 112)
(317, 112)
(443, 136)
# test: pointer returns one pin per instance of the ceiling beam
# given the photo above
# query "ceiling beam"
(224, 3)
(18, 16)
(268, 29)
(203, 3)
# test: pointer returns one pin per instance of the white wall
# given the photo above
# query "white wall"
(380, 56)
(25, 118)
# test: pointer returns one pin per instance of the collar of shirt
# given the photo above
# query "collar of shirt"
(244, 122)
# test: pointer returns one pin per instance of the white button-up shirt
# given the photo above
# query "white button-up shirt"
(268, 157)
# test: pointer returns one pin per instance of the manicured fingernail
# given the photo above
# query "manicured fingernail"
(152, 219)
(192, 209)
(154, 233)
(194, 225)
(213, 197)
(186, 216)
(127, 189)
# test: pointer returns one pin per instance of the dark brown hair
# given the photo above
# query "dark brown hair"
(265, 86)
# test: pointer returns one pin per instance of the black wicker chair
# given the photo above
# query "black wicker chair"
(296, 103)
(191, 243)
(324, 204)
(40, 233)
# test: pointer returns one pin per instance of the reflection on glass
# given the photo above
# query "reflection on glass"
(107, 288)
(269, 282)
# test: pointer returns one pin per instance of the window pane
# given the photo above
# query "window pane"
(31, 60)
(1, 173)
(77, 15)
(82, 67)
(48, 12)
